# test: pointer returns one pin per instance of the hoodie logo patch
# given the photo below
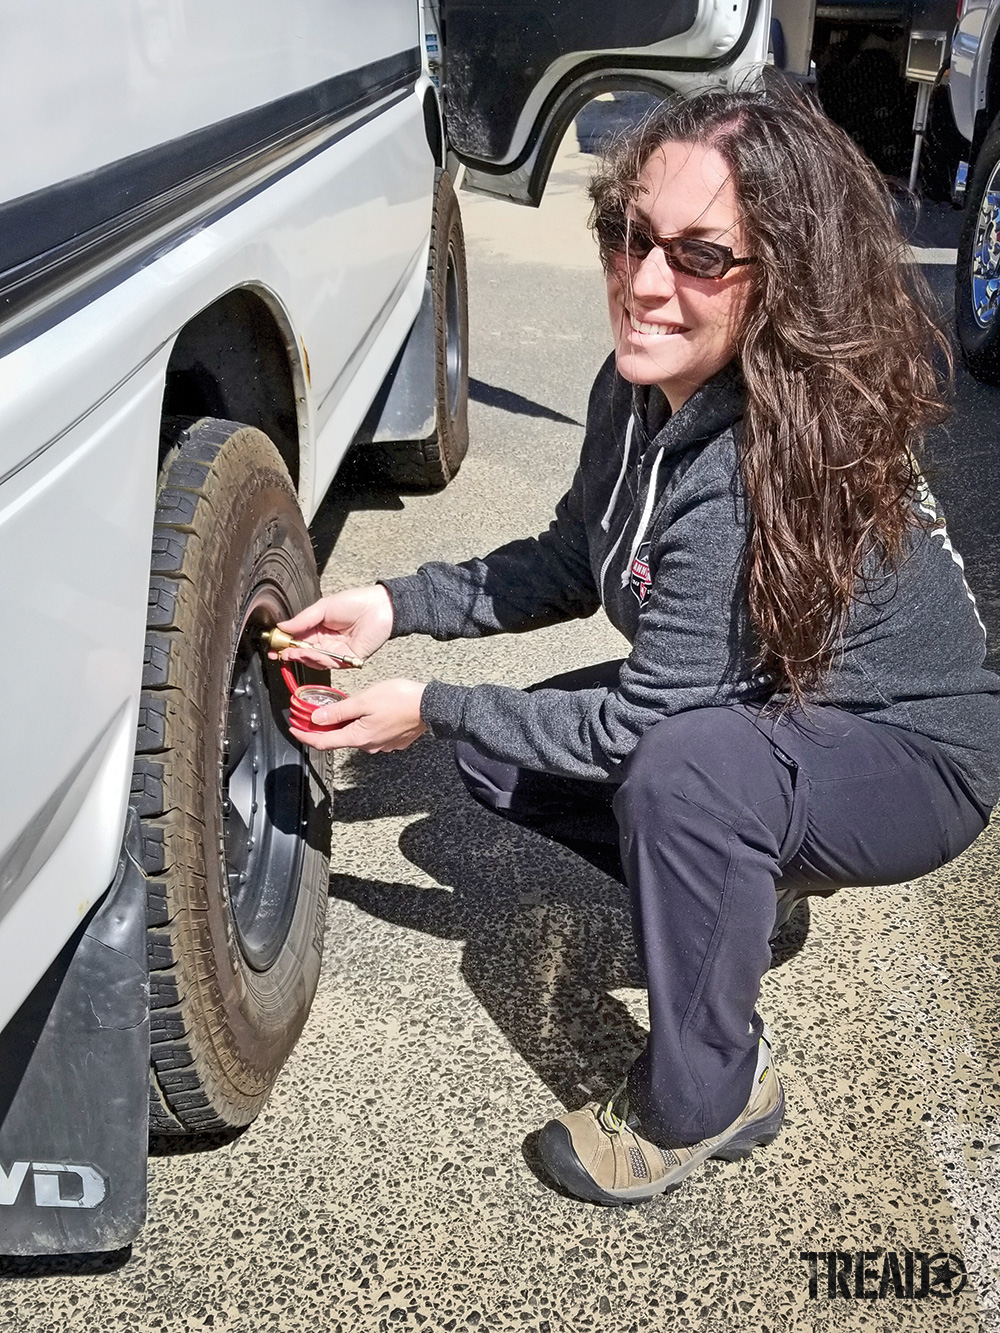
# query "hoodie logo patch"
(640, 578)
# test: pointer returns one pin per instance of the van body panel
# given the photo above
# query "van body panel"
(337, 246)
(93, 83)
(972, 50)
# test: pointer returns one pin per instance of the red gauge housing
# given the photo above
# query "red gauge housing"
(306, 699)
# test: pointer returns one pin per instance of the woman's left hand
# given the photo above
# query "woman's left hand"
(382, 717)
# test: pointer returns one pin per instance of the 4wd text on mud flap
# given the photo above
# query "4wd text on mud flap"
(56, 1184)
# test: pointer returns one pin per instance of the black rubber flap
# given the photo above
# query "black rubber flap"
(74, 1079)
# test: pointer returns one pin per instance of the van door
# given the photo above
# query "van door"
(516, 72)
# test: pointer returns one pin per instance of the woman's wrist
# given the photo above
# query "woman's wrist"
(441, 707)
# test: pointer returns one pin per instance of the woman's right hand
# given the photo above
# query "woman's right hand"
(356, 622)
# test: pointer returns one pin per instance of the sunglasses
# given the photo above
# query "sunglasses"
(620, 237)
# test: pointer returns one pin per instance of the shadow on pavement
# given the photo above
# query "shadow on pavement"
(354, 487)
(547, 936)
(64, 1265)
(509, 401)
(182, 1145)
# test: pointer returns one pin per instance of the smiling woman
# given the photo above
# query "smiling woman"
(804, 705)
(829, 361)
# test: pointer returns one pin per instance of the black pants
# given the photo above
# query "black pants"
(715, 809)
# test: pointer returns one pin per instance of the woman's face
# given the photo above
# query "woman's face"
(670, 329)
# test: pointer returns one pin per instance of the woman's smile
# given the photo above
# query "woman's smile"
(651, 329)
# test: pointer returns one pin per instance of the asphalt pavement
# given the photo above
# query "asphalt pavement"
(478, 980)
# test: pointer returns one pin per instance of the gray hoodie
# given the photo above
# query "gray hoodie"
(654, 530)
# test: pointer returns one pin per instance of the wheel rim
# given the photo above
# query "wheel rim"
(264, 790)
(986, 254)
(454, 351)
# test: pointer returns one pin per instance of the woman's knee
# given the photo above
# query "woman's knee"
(715, 757)
(490, 781)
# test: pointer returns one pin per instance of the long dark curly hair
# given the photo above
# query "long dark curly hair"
(837, 351)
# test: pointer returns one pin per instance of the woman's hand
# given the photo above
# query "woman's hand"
(357, 622)
(383, 717)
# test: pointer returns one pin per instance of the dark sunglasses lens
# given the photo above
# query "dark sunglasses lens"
(616, 235)
(702, 259)
(620, 237)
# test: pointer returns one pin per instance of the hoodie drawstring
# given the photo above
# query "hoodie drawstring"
(606, 520)
(647, 510)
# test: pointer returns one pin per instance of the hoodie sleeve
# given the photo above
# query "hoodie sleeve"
(690, 651)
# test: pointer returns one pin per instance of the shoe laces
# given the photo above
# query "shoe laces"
(609, 1119)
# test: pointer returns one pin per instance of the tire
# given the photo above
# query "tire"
(234, 962)
(977, 269)
(430, 464)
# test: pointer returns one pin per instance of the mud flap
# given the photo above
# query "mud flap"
(404, 407)
(74, 1079)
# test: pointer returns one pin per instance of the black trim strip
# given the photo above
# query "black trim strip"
(56, 236)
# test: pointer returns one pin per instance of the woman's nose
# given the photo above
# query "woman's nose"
(653, 277)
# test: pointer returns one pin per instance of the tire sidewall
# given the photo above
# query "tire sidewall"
(257, 1004)
(448, 254)
(237, 1023)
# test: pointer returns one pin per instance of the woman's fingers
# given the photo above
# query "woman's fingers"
(349, 737)
(383, 717)
(340, 715)
(312, 618)
(354, 623)
(341, 711)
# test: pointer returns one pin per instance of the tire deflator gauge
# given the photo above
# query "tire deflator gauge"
(306, 699)
(276, 641)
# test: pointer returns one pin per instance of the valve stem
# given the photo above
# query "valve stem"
(276, 641)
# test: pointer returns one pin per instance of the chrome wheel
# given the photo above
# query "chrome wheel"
(986, 254)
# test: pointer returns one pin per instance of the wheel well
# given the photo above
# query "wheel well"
(232, 361)
(433, 127)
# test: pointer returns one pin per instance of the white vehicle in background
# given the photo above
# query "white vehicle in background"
(230, 247)
(975, 100)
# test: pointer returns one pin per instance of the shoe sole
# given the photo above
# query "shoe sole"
(555, 1147)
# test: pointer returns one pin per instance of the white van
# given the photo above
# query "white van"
(230, 246)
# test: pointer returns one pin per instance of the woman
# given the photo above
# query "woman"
(804, 705)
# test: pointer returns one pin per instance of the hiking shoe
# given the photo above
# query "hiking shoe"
(598, 1153)
(787, 901)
